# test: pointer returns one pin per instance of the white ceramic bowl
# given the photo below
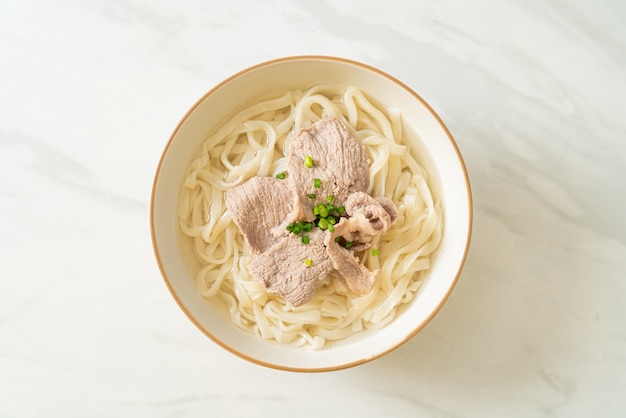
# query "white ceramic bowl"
(443, 161)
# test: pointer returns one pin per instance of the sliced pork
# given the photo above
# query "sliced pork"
(257, 207)
(339, 161)
(389, 207)
(292, 269)
(367, 217)
(356, 276)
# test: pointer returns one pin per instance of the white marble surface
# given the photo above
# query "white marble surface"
(533, 92)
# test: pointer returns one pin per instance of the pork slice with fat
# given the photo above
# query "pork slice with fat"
(368, 217)
(356, 276)
(379, 212)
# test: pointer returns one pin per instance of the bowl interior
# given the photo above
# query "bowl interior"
(429, 138)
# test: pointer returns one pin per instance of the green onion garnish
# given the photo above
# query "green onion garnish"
(308, 262)
(281, 176)
(323, 224)
(317, 183)
(305, 239)
(308, 227)
(308, 161)
(331, 220)
(330, 198)
(348, 244)
(323, 211)
(374, 252)
(337, 239)
(289, 227)
(341, 210)
(312, 195)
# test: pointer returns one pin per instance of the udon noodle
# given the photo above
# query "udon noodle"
(255, 142)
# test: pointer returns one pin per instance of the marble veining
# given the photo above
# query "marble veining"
(532, 91)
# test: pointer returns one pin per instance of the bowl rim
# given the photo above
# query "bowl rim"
(341, 60)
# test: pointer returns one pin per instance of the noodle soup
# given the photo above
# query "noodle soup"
(255, 142)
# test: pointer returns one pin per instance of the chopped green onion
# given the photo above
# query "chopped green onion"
(305, 239)
(331, 220)
(323, 224)
(308, 161)
(331, 228)
(341, 210)
(308, 262)
(374, 252)
(289, 227)
(296, 229)
(337, 239)
(323, 211)
(330, 198)
(317, 183)
(330, 208)
(316, 210)
(312, 195)
(281, 175)
(308, 227)
(348, 244)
